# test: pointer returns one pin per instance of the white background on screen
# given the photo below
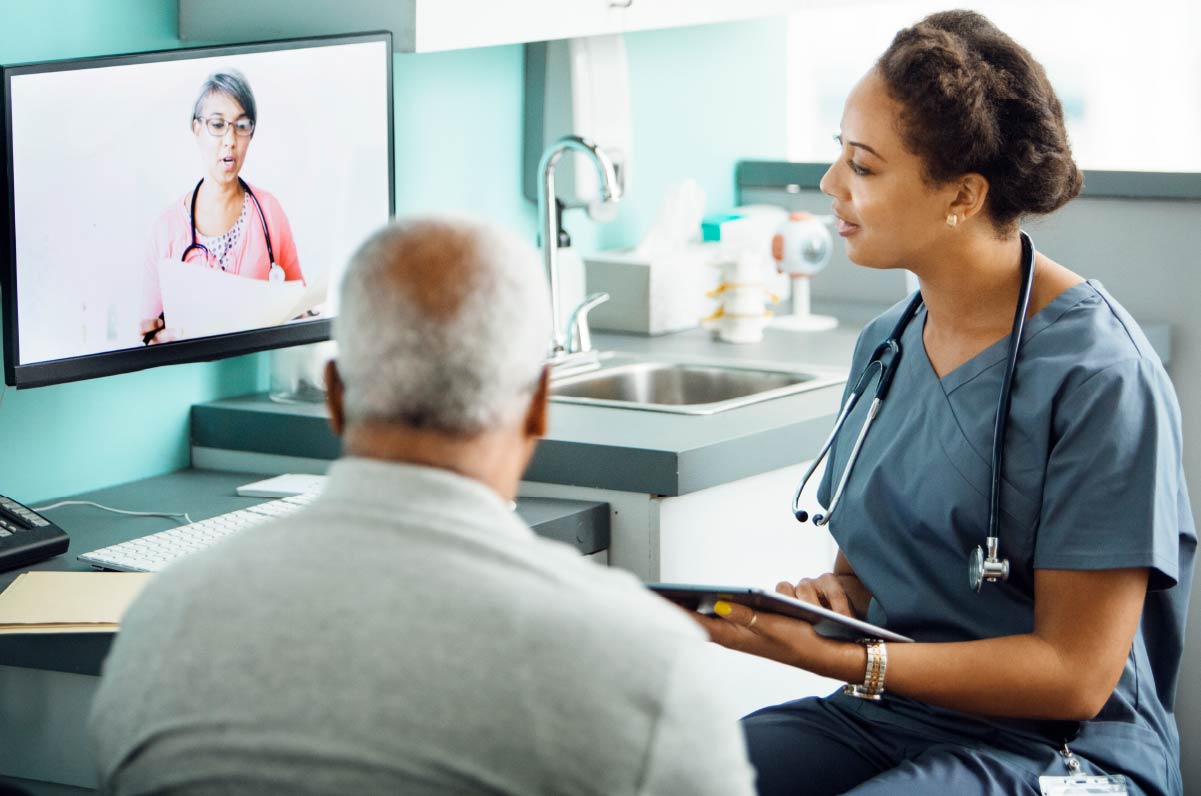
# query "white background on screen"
(99, 154)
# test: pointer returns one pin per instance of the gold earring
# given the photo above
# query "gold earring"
(952, 220)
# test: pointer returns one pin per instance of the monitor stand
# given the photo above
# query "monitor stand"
(298, 373)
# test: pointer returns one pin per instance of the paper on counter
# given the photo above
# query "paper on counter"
(201, 302)
(68, 602)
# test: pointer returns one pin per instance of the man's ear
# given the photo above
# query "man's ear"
(535, 416)
(333, 397)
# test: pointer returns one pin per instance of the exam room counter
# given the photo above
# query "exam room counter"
(627, 450)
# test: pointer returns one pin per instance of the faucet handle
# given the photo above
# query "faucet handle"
(578, 335)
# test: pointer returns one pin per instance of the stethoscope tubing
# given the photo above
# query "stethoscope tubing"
(884, 361)
(797, 511)
(197, 245)
(890, 349)
(873, 410)
(1011, 360)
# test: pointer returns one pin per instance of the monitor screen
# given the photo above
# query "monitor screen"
(187, 205)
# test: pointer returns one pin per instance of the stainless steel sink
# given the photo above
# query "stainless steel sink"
(687, 387)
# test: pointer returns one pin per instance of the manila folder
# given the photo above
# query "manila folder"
(68, 602)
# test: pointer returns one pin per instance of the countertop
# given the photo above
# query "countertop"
(626, 450)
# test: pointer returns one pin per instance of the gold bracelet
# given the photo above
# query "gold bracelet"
(873, 675)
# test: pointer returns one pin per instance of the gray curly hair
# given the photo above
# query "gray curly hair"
(443, 323)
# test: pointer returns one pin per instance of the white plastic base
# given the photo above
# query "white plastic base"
(804, 323)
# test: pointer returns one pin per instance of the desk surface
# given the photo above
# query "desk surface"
(203, 494)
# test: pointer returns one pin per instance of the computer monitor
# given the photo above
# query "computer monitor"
(187, 205)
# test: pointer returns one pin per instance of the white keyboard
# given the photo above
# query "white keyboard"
(152, 553)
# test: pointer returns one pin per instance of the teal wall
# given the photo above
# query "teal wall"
(702, 98)
(74, 437)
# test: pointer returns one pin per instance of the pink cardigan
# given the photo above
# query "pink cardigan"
(173, 233)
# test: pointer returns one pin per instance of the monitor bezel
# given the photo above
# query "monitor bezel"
(205, 349)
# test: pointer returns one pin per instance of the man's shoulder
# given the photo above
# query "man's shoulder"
(612, 600)
(547, 582)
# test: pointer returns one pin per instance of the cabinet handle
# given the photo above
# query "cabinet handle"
(620, 3)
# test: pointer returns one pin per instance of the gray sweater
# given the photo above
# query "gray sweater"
(406, 633)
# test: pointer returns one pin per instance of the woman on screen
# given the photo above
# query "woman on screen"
(222, 223)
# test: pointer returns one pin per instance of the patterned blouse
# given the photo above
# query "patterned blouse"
(222, 246)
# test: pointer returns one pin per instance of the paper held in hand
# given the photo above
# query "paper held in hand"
(200, 302)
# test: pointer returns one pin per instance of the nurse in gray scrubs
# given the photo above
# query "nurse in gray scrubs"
(1069, 667)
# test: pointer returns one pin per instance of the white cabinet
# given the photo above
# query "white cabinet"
(647, 14)
(739, 533)
(428, 25)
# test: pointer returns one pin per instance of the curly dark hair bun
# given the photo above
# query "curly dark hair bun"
(974, 100)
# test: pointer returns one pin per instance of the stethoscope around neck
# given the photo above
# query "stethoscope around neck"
(984, 563)
(275, 274)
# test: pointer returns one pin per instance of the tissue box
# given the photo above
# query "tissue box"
(665, 293)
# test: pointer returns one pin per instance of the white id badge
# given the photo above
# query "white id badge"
(1079, 785)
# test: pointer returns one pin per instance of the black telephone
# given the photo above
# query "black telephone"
(26, 536)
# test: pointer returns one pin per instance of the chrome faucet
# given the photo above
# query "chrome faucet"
(579, 338)
(576, 339)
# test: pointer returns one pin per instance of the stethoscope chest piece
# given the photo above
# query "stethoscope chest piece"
(986, 568)
(276, 274)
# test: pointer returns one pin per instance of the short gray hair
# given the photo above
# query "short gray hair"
(443, 323)
(232, 83)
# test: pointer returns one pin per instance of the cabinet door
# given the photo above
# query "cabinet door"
(449, 24)
(426, 25)
(647, 14)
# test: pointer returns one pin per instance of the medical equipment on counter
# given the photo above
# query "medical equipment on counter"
(749, 278)
(743, 298)
(984, 563)
(276, 274)
(802, 247)
(789, 248)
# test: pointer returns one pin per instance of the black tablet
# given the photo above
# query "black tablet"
(826, 622)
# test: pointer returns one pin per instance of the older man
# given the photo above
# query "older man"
(407, 633)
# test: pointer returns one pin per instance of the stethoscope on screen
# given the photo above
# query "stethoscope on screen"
(984, 564)
(275, 274)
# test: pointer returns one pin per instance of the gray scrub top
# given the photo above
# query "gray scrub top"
(1092, 479)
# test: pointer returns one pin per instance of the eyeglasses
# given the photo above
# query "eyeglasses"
(218, 125)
